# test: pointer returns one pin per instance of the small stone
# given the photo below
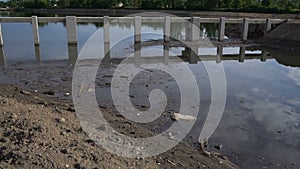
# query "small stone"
(50, 92)
(181, 117)
(62, 120)
(279, 131)
(64, 151)
(63, 133)
(103, 127)
(77, 166)
(67, 165)
(25, 92)
(218, 146)
(58, 110)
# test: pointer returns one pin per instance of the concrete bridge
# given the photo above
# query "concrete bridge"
(192, 29)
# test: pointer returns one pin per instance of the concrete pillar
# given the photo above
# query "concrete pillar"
(222, 28)
(71, 29)
(166, 53)
(245, 29)
(242, 54)
(268, 27)
(1, 38)
(219, 54)
(167, 29)
(195, 29)
(264, 56)
(35, 30)
(137, 29)
(106, 30)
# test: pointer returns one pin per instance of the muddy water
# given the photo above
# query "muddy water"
(260, 127)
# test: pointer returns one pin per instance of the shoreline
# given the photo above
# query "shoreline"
(49, 118)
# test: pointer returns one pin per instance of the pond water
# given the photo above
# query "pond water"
(260, 127)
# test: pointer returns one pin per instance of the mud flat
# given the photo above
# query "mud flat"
(39, 128)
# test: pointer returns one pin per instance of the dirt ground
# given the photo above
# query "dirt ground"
(39, 131)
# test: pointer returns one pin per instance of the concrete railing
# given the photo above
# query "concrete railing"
(192, 32)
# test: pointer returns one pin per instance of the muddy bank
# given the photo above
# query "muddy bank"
(286, 36)
(40, 130)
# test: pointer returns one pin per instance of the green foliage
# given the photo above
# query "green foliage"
(218, 5)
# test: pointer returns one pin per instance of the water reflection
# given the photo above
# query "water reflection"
(38, 53)
(2, 57)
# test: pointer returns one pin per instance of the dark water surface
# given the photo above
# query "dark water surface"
(260, 127)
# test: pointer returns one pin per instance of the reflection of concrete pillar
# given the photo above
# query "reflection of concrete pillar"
(35, 30)
(245, 29)
(106, 58)
(106, 30)
(222, 28)
(264, 56)
(190, 54)
(242, 54)
(137, 29)
(166, 53)
(137, 54)
(38, 53)
(167, 29)
(71, 29)
(195, 29)
(73, 53)
(188, 31)
(219, 54)
(268, 26)
(2, 57)
(1, 38)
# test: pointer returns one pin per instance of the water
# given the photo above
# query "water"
(261, 122)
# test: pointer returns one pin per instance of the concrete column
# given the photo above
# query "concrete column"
(167, 29)
(106, 30)
(1, 38)
(242, 54)
(195, 29)
(137, 29)
(166, 53)
(71, 29)
(35, 30)
(268, 27)
(245, 29)
(219, 54)
(222, 28)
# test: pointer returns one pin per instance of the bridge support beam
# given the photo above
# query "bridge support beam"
(167, 29)
(268, 27)
(222, 28)
(137, 29)
(35, 30)
(245, 29)
(71, 29)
